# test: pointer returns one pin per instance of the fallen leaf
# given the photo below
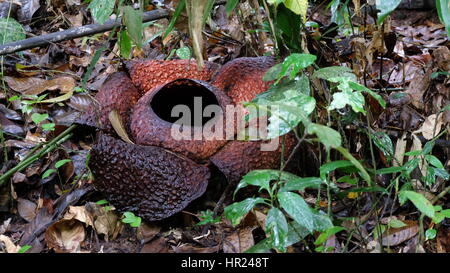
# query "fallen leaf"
(9, 245)
(35, 86)
(79, 213)
(418, 86)
(239, 241)
(431, 127)
(65, 236)
(187, 248)
(27, 209)
(118, 126)
(396, 236)
(146, 232)
(442, 57)
(156, 246)
(23, 84)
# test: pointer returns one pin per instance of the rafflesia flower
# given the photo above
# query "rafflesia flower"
(158, 174)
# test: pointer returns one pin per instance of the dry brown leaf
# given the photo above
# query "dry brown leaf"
(156, 246)
(117, 124)
(400, 149)
(239, 241)
(9, 245)
(187, 248)
(4, 227)
(106, 221)
(81, 214)
(65, 84)
(61, 98)
(418, 86)
(65, 236)
(23, 84)
(442, 57)
(146, 232)
(396, 236)
(81, 102)
(27, 209)
(428, 127)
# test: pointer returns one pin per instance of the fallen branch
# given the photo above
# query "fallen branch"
(73, 33)
(52, 145)
(78, 32)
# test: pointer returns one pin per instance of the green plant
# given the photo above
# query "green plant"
(281, 188)
(443, 10)
(131, 219)
(289, 104)
(207, 217)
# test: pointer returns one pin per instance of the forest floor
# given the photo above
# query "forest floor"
(55, 208)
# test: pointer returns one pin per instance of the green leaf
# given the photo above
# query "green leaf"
(131, 219)
(443, 8)
(348, 97)
(294, 63)
(62, 162)
(10, 31)
(394, 223)
(101, 202)
(359, 87)
(299, 7)
(48, 126)
(327, 233)
(132, 19)
(38, 118)
(385, 7)
(259, 178)
(273, 73)
(363, 189)
(47, 173)
(430, 234)
(262, 246)
(384, 143)
(321, 220)
(333, 165)
(326, 135)
(297, 208)
(236, 211)
(301, 184)
(180, 7)
(442, 173)
(209, 6)
(327, 73)
(286, 104)
(434, 161)
(389, 170)
(24, 249)
(356, 163)
(184, 53)
(277, 227)
(101, 10)
(125, 44)
(230, 5)
(421, 203)
(296, 233)
(428, 147)
(207, 217)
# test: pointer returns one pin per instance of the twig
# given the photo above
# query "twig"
(78, 32)
(73, 33)
(48, 148)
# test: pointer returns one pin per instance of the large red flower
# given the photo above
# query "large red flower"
(158, 175)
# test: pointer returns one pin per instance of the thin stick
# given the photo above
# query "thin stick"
(52, 145)
(78, 32)
(73, 33)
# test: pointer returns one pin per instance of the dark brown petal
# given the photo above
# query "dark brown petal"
(146, 180)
